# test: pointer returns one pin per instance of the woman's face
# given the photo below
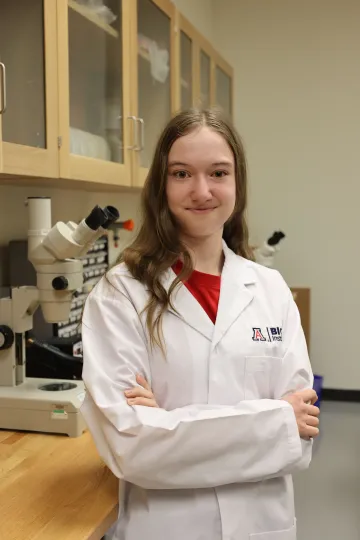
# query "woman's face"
(200, 186)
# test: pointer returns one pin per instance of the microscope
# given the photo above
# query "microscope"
(42, 405)
(265, 254)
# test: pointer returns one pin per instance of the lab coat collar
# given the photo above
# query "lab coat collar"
(187, 308)
(235, 293)
(237, 274)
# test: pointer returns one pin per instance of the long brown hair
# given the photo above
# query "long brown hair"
(157, 246)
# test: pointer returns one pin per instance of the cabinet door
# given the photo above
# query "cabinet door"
(28, 58)
(153, 82)
(186, 70)
(204, 69)
(186, 64)
(205, 79)
(1, 113)
(94, 93)
(223, 86)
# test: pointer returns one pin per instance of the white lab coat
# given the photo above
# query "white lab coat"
(215, 461)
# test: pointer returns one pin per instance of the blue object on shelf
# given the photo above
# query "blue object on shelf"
(318, 385)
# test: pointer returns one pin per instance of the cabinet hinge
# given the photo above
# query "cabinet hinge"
(59, 140)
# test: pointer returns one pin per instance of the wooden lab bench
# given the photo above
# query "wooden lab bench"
(53, 487)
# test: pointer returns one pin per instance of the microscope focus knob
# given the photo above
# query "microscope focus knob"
(6, 337)
(60, 283)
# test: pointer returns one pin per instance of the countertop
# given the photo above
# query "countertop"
(54, 487)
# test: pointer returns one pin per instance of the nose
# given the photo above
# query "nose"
(200, 189)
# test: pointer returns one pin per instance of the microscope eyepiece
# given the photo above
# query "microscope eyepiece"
(276, 238)
(96, 218)
(112, 214)
(100, 217)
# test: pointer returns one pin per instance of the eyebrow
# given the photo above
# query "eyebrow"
(216, 164)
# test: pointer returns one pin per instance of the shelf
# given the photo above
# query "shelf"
(88, 14)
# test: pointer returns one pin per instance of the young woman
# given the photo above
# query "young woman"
(199, 387)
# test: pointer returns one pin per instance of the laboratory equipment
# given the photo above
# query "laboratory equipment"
(127, 225)
(41, 404)
(65, 336)
(265, 254)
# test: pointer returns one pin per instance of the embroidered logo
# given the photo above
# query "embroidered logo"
(274, 333)
(257, 335)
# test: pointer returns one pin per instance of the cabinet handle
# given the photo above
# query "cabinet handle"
(135, 131)
(3, 88)
(142, 134)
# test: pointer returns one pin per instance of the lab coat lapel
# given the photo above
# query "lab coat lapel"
(235, 295)
(188, 308)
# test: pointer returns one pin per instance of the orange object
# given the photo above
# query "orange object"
(128, 225)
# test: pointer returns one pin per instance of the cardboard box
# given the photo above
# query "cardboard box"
(302, 298)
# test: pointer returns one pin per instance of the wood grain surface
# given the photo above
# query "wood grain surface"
(54, 487)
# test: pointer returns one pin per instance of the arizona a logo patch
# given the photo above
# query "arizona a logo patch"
(257, 335)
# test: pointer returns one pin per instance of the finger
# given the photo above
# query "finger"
(312, 432)
(312, 421)
(142, 381)
(139, 391)
(308, 395)
(143, 401)
(312, 410)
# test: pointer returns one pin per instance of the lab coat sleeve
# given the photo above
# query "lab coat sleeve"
(296, 372)
(191, 447)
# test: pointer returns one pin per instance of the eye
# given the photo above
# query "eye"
(219, 174)
(181, 175)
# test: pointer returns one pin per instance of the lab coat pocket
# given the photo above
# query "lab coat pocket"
(288, 534)
(261, 375)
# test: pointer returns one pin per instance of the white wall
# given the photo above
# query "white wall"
(297, 90)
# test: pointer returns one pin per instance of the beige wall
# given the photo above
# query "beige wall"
(297, 88)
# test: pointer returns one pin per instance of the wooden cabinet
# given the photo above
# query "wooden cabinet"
(88, 86)
(186, 65)
(28, 88)
(205, 71)
(116, 90)
(223, 82)
(152, 77)
(203, 77)
(94, 93)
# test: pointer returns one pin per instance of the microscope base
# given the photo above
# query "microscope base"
(28, 408)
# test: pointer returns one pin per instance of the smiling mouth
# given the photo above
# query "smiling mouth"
(201, 210)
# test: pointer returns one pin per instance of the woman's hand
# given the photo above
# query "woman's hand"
(307, 415)
(142, 394)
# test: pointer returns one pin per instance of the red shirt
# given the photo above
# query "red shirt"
(205, 288)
